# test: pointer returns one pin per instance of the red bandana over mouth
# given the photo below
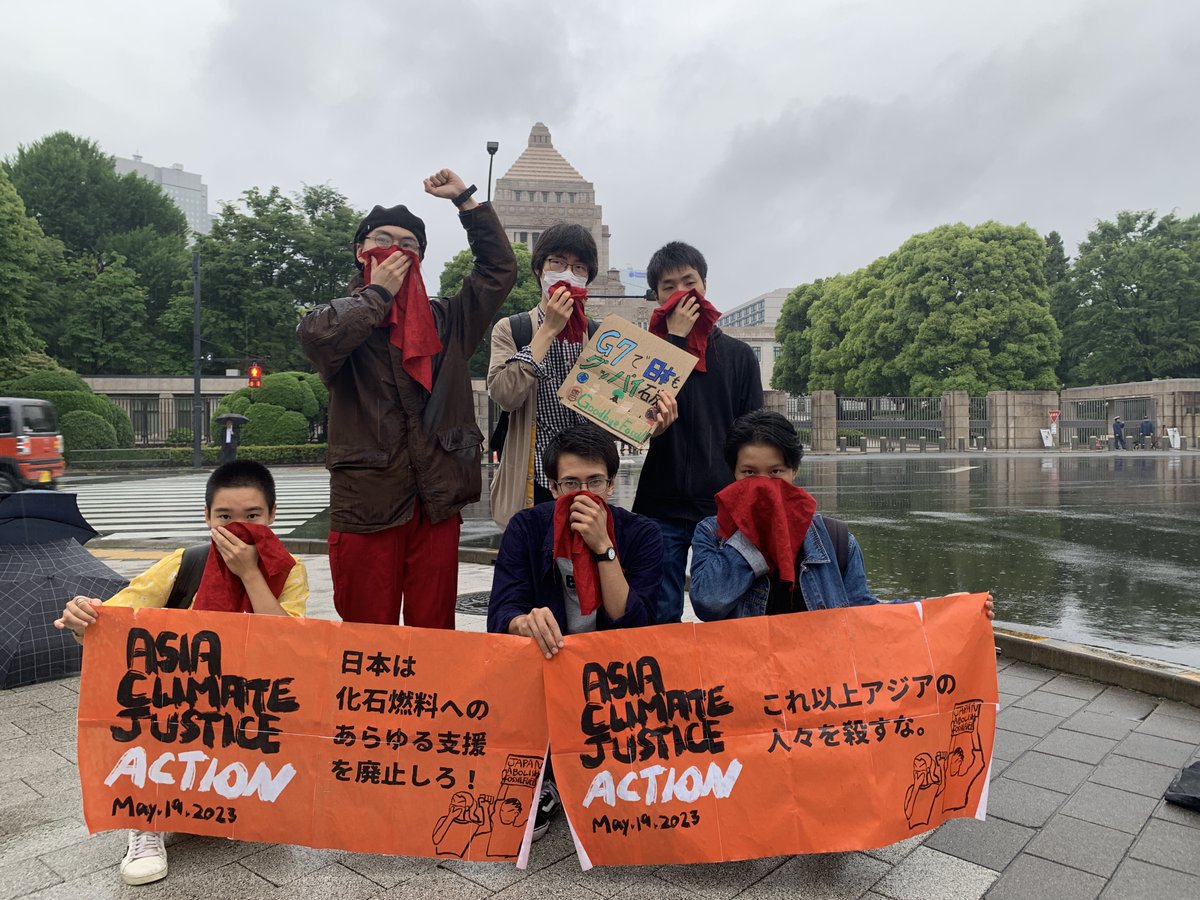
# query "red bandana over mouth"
(222, 591)
(773, 514)
(413, 331)
(697, 339)
(569, 544)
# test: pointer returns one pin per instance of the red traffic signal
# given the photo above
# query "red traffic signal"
(255, 375)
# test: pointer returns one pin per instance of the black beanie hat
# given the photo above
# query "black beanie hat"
(398, 216)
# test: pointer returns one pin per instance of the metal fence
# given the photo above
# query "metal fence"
(1083, 422)
(978, 421)
(878, 422)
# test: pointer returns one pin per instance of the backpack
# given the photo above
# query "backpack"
(187, 581)
(839, 533)
(522, 332)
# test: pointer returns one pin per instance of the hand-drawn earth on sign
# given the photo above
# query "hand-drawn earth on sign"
(617, 378)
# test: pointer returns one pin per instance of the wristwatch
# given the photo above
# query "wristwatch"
(607, 556)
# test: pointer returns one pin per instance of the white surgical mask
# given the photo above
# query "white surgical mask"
(549, 279)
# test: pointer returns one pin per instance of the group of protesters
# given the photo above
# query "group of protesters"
(404, 459)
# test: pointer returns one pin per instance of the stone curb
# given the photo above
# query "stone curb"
(1150, 676)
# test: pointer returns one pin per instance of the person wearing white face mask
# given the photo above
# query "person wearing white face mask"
(532, 353)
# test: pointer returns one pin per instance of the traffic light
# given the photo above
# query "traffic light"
(255, 375)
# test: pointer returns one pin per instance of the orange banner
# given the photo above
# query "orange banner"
(359, 737)
(826, 731)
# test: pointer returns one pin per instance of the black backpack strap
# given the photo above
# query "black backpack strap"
(187, 581)
(521, 325)
(592, 326)
(839, 533)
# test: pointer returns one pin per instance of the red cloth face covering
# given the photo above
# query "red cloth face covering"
(576, 328)
(410, 319)
(697, 339)
(773, 514)
(222, 591)
(569, 544)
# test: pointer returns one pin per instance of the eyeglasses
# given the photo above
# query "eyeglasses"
(595, 484)
(554, 264)
(384, 240)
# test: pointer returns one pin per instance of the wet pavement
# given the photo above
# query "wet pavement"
(1075, 811)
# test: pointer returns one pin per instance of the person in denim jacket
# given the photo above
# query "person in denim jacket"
(733, 578)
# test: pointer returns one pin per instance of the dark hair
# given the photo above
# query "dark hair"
(564, 237)
(767, 428)
(240, 473)
(672, 256)
(586, 441)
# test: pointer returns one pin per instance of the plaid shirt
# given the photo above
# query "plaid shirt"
(552, 417)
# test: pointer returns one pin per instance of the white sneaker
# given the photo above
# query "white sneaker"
(146, 859)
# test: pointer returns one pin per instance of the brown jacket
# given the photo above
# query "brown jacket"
(513, 385)
(391, 441)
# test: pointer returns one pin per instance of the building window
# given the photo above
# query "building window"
(777, 350)
(534, 238)
(757, 352)
(524, 237)
(558, 196)
(545, 196)
(571, 196)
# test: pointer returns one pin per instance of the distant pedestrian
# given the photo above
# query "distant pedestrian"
(1119, 434)
(1146, 433)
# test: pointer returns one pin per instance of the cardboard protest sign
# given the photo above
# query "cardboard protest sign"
(812, 733)
(616, 380)
(361, 737)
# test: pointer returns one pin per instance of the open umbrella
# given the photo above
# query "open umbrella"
(36, 581)
(38, 517)
(232, 418)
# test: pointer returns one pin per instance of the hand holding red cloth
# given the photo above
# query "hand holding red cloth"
(222, 591)
(697, 339)
(569, 544)
(773, 514)
(575, 329)
(410, 318)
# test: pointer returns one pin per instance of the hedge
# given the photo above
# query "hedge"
(85, 430)
(181, 457)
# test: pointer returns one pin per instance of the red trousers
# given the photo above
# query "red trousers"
(413, 566)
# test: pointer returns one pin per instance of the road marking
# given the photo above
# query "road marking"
(959, 469)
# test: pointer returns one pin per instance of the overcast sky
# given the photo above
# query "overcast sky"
(786, 141)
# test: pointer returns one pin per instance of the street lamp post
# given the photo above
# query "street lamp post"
(492, 147)
(197, 412)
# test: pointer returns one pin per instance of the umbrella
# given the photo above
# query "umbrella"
(38, 517)
(36, 581)
(233, 418)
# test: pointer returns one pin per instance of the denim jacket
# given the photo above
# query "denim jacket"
(730, 580)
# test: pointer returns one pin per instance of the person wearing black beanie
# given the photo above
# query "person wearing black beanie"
(404, 447)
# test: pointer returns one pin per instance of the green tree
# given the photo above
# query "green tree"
(954, 308)
(1134, 313)
(524, 296)
(264, 262)
(105, 331)
(20, 240)
(92, 217)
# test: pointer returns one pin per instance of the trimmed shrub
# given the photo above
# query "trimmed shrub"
(119, 419)
(318, 388)
(24, 364)
(280, 389)
(300, 394)
(270, 425)
(83, 430)
(179, 437)
(61, 380)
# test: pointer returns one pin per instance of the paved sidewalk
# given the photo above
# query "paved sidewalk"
(1075, 811)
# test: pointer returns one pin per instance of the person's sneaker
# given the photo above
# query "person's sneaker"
(146, 858)
(548, 806)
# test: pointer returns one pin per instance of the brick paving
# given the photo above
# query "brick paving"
(1075, 811)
